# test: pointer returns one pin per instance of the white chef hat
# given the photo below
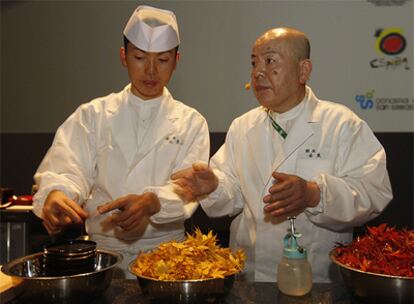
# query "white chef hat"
(152, 29)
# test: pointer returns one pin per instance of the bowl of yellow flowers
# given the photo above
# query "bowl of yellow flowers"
(196, 270)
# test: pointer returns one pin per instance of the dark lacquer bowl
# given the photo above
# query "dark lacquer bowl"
(39, 286)
(69, 257)
(375, 288)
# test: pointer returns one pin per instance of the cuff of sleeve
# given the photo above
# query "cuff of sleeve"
(211, 198)
(319, 180)
(172, 208)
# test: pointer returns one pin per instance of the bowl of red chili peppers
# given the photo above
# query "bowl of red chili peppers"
(378, 267)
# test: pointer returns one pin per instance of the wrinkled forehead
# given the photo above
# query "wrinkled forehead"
(269, 44)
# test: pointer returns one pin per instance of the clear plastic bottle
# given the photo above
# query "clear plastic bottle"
(294, 273)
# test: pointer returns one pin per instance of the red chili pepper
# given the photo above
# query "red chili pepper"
(383, 250)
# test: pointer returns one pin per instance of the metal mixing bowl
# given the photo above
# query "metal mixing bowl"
(38, 287)
(184, 291)
(376, 288)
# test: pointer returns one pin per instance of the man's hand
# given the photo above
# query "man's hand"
(193, 183)
(290, 195)
(59, 212)
(131, 209)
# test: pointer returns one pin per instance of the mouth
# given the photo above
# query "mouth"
(260, 88)
(150, 83)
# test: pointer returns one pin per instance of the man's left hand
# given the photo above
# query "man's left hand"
(290, 195)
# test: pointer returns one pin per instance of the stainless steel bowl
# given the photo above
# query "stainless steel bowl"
(38, 287)
(376, 288)
(184, 291)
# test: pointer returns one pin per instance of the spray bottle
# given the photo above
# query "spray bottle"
(294, 274)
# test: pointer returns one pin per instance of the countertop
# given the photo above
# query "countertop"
(128, 292)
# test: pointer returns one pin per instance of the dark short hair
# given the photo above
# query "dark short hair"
(306, 51)
(126, 41)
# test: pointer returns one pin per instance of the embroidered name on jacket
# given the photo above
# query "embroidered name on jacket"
(312, 153)
(174, 140)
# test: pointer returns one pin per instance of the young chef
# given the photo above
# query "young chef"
(110, 162)
(293, 155)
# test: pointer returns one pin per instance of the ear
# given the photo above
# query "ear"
(122, 55)
(305, 69)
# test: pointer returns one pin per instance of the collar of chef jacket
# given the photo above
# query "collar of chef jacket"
(142, 115)
(301, 131)
(122, 128)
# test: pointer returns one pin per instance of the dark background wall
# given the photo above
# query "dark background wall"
(22, 153)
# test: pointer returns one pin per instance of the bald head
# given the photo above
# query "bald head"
(280, 68)
(297, 41)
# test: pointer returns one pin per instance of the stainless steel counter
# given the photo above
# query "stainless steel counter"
(14, 227)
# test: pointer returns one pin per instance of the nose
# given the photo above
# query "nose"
(258, 71)
(259, 74)
(151, 67)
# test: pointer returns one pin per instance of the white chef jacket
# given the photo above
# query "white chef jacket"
(328, 144)
(100, 154)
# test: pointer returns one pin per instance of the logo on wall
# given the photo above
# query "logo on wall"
(365, 101)
(368, 101)
(390, 43)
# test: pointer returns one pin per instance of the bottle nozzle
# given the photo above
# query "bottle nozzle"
(293, 231)
(292, 224)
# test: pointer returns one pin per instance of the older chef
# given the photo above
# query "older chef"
(293, 155)
(111, 160)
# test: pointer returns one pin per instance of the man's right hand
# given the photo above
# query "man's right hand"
(59, 212)
(194, 183)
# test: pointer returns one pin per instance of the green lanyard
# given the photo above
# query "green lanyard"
(276, 126)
